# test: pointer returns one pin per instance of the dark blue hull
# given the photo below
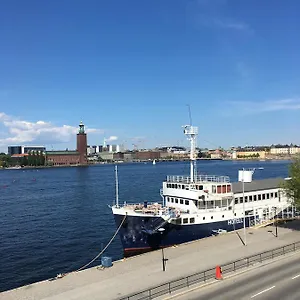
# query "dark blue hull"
(139, 234)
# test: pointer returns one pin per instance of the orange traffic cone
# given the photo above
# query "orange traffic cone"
(219, 273)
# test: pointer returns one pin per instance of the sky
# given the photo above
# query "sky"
(129, 69)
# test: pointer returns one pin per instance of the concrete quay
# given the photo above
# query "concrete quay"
(141, 272)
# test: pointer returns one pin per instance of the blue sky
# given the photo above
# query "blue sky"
(128, 69)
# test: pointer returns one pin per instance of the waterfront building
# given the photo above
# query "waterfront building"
(14, 150)
(106, 156)
(25, 149)
(70, 157)
(146, 155)
(249, 153)
(284, 149)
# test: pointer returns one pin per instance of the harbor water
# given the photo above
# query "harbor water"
(55, 220)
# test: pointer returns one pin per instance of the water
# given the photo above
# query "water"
(56, 220)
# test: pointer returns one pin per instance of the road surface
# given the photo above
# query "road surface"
(278, 280)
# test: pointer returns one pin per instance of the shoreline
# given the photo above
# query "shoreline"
(146, 162)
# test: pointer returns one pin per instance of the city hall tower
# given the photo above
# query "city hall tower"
(82, 144)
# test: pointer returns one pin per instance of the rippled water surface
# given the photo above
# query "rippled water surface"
(56, 220)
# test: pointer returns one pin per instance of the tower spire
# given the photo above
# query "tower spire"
(81, 128)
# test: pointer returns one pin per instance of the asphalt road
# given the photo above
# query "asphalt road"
(278, 280)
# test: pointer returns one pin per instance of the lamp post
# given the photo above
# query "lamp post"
(275, 221)
(244, 221)
(164, 260)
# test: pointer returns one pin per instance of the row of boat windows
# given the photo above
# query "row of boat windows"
(256, 197)
(192, 220)
(199, 204)
(176, 200)
(182, 186)
(216, 189)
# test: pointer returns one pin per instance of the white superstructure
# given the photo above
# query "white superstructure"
(212, 202)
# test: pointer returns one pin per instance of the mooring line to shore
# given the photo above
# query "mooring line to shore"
(97, 256)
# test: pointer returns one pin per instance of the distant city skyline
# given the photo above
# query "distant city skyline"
(128, 70)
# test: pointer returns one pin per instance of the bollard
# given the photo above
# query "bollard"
(219, 273)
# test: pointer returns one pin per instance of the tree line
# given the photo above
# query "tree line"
(292, 185)
(32, 159)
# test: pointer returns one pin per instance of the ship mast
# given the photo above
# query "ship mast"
(117, 186)
(191, 132)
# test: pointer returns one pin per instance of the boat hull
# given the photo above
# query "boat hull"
(138, 234)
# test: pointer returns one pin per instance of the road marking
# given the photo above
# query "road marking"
(296, 276)
(272, 287)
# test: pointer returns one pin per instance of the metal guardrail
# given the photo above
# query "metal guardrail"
(203, 276)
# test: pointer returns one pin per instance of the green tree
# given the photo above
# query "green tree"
(5, 160)
(292, 186)
(42, 159)
(30, 159)
(24, 161)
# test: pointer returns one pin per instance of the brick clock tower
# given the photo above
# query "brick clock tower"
(82, 144)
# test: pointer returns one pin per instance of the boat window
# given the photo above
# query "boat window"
(246, 198)
(178, 186)
(186, 202)
(234, 214)
(276, 194)
(178, 221)
(236, 200)
(176, 200)
(203, 218)
(228, 188)
(214, 189)
(167, 185)
(187, 187)
(259, 197)
(223, 189)
(219, 187)
(185, 220)
(263, 196)
(192, 220)
(181, 201)
(250, 198)
(172, 200)
(200, 187)
(183, 186)
(272, 195)
(254, 197)
(212, 202)
(268, 196)
(241, 199)
(167, 199)
(175, 186)
(172, 186)
(222, 216)
(212, 217)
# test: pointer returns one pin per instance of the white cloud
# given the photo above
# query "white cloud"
(229, 24)
(40, 132)
(249, 107)
(111, 138)
(214, 14)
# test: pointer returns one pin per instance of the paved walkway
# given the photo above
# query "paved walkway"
(144, 271)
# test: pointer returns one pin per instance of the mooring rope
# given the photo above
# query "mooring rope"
(99, 254)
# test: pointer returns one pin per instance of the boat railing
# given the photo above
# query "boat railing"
(199, 178)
